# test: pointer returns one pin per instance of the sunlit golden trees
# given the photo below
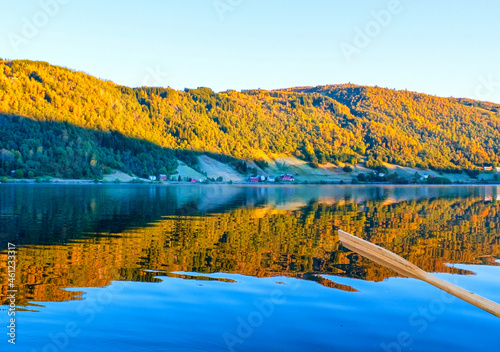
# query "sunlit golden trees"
(322, 124)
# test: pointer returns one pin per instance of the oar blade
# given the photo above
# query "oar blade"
(380, 255)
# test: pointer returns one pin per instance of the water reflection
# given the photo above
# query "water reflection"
(89, 236)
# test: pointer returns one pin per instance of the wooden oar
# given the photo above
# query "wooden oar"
(395, 262)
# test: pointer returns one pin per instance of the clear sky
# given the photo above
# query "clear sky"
(446, 48)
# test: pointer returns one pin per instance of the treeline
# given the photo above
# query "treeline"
(413, 129)
(323, 124)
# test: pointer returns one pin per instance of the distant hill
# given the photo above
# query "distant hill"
(413, 129)
(64, 123)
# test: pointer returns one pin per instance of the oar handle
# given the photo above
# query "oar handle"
(468, 296)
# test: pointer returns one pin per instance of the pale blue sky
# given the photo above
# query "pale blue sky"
(447, 48)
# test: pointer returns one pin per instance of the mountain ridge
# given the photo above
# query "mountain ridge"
(337, 124)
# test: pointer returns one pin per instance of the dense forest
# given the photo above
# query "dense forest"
(58, 122)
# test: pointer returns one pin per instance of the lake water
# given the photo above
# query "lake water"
(246, 268)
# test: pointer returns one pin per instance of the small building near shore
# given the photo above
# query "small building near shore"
(163, 177)
(253, 179)
(424, 177)
(287, 177)
(152, 178)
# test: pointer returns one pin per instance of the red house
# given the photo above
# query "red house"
(253, 179)
(287, 177)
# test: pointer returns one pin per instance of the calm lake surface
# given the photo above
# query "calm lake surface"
(246, 268)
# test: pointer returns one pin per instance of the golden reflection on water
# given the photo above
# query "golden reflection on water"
(265, 242)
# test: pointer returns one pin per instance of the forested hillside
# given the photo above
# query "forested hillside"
(413, 129)
(64, 123)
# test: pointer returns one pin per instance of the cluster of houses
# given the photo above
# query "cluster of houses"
(262, 178)
(258, 178)
(491, 168)
(163, 178)
(290, 178)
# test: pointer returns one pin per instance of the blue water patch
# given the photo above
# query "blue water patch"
(267, 314)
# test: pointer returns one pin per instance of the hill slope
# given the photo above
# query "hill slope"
(413, 129)
(69, 124)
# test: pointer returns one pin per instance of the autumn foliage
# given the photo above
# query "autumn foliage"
(65, 123)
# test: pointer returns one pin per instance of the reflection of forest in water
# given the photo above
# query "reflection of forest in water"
(251, 231)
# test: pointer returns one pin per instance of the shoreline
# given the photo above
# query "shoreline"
(241, 183)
